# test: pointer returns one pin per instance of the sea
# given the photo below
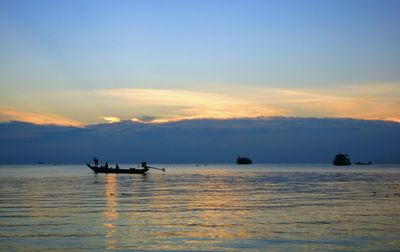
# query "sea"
(201, 207)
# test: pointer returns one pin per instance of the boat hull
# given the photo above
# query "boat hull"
(102, 169)
(341, 164)
(363, 163)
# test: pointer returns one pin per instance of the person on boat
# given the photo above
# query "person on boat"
(106, 165)
(96, 161)
(145, 167)
(117, 166)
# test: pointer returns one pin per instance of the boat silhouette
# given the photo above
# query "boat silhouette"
(243, 160)
(363, 163)
(104, 169)
(341, 159)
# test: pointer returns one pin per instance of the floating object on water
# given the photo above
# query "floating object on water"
(103, 169)
(106, 169)
(243, 160)
(363, 163)
(341, 159)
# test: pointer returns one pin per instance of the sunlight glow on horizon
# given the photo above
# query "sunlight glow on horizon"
(184, 104)
(37, 118)
(110, 119)
(375, 102)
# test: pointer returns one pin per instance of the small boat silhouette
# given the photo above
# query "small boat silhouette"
(243, 160)
(341, 159)
(103, 169)
(106, 169)
(363, 163)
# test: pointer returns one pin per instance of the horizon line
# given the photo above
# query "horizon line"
(162, 121)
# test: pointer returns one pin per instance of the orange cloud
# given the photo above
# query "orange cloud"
(363, 102)
(221, 101)
(36, 118)
(378, 101)
(217, 101)
(173, 105)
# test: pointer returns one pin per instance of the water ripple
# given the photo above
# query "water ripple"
(218, 208)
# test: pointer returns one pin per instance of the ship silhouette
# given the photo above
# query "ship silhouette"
(341, 159)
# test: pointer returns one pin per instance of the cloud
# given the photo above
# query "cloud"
(36, 118)
(372, 101)
(223, 101)
(275, 139)
(110, 119)
(217, 101)
(183, 104)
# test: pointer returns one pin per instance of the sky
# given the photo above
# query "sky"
(77, 63)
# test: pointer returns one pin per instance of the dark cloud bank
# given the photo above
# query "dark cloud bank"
(269, 140)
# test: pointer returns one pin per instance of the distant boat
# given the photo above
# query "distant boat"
(341, 159)
(243, 160)
(103, 169)
(363, 163)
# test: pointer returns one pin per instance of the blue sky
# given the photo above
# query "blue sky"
(75, 62)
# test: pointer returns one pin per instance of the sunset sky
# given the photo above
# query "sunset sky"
(84, 62)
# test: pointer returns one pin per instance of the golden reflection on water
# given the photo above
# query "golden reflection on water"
(201, 210)
(212, 206)
(207, 210)
(111, 213)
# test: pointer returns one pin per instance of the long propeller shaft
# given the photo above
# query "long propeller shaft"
(160, 169)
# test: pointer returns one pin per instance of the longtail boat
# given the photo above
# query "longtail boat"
(103, 169)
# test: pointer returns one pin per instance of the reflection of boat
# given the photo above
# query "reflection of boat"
(103, 169)
(243, 160)
(342, 159)
(363, 163)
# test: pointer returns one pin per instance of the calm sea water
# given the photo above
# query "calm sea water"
(204, 208)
